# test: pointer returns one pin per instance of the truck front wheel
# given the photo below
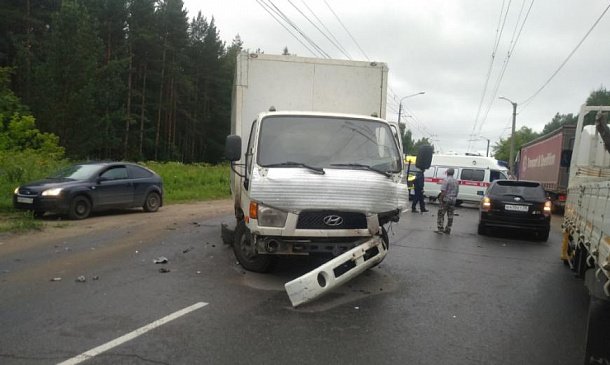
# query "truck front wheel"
(245, 251)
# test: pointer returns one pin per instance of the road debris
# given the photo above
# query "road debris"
(96, 277)
(161, 260)
(188, 249)
(164, 270)
(81, 279)
(336, 272)
(56, 279)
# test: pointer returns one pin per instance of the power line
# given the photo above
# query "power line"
(528, 100)
(293, 25)
(264, 6)
(348, 32)
(334, 40)
(513, 44)
(499, 31)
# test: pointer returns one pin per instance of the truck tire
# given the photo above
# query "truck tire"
(245, 252)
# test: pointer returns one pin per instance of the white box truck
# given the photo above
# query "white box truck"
(586, 225)
(315, 167)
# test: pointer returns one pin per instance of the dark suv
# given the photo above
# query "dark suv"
(516, 204)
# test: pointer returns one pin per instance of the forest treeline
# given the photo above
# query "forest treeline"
(121, 79)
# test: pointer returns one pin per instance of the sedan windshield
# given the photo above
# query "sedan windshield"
(76, 172)
(328, 142)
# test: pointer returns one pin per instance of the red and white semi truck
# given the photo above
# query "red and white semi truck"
(547, 159)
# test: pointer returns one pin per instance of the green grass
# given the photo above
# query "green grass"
(182, 183)
(194, 182)
(19, 222)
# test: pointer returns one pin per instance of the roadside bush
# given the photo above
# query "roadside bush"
(17, 167)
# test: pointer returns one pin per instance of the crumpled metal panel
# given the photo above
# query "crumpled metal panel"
(296, 189)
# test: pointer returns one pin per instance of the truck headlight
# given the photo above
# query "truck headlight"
(52, 192)
(16, 190)
(271, 217)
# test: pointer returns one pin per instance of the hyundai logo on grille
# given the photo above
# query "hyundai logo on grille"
(333, 220)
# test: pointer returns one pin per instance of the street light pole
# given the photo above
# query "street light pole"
(511, 162)
(400, 103)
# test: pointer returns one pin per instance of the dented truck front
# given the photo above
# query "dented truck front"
(315, 183)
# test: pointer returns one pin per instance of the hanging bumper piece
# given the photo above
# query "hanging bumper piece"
(336, 272)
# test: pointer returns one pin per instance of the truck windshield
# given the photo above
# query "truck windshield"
(328, 142)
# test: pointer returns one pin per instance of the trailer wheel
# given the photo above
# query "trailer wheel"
(246, 254)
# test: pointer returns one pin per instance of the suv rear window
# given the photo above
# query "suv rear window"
(525, 189)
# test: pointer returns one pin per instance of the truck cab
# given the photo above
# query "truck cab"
(314, 183)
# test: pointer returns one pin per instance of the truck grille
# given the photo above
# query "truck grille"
(331, 220)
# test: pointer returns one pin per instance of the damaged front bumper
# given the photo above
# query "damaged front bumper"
(336, 272)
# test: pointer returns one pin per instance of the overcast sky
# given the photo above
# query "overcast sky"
(445, 49)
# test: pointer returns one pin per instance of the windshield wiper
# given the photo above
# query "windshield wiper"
(318, 170)
(361, 166)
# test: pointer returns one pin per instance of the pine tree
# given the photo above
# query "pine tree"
(65, 80)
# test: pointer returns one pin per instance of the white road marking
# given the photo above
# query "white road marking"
(130, 336)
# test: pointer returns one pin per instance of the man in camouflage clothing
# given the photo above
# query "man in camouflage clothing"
(446, 199)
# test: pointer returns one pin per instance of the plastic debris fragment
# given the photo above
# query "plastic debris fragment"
(161, 260)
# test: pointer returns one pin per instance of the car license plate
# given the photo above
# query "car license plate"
(21, 199)
(516, 208)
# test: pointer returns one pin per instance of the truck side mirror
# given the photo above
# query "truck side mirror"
(233, 148)
(424, 157)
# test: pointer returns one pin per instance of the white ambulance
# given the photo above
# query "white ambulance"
(474, 173)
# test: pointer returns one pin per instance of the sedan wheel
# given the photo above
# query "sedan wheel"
(80, 208)
(152, 202)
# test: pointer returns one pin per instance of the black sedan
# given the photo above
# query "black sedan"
(82, 188)
(516, 204)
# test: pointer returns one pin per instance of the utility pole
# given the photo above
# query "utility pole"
(400, 103)
(511, 161)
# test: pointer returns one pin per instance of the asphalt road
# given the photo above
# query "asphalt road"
(435, 299)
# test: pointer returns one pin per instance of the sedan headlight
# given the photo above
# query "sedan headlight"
(52, 192)
(271, 217)
(16, 190)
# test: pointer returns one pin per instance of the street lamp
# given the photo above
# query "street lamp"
(400, 103)
(511, 161)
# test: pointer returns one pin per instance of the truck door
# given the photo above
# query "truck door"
(248, 155)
